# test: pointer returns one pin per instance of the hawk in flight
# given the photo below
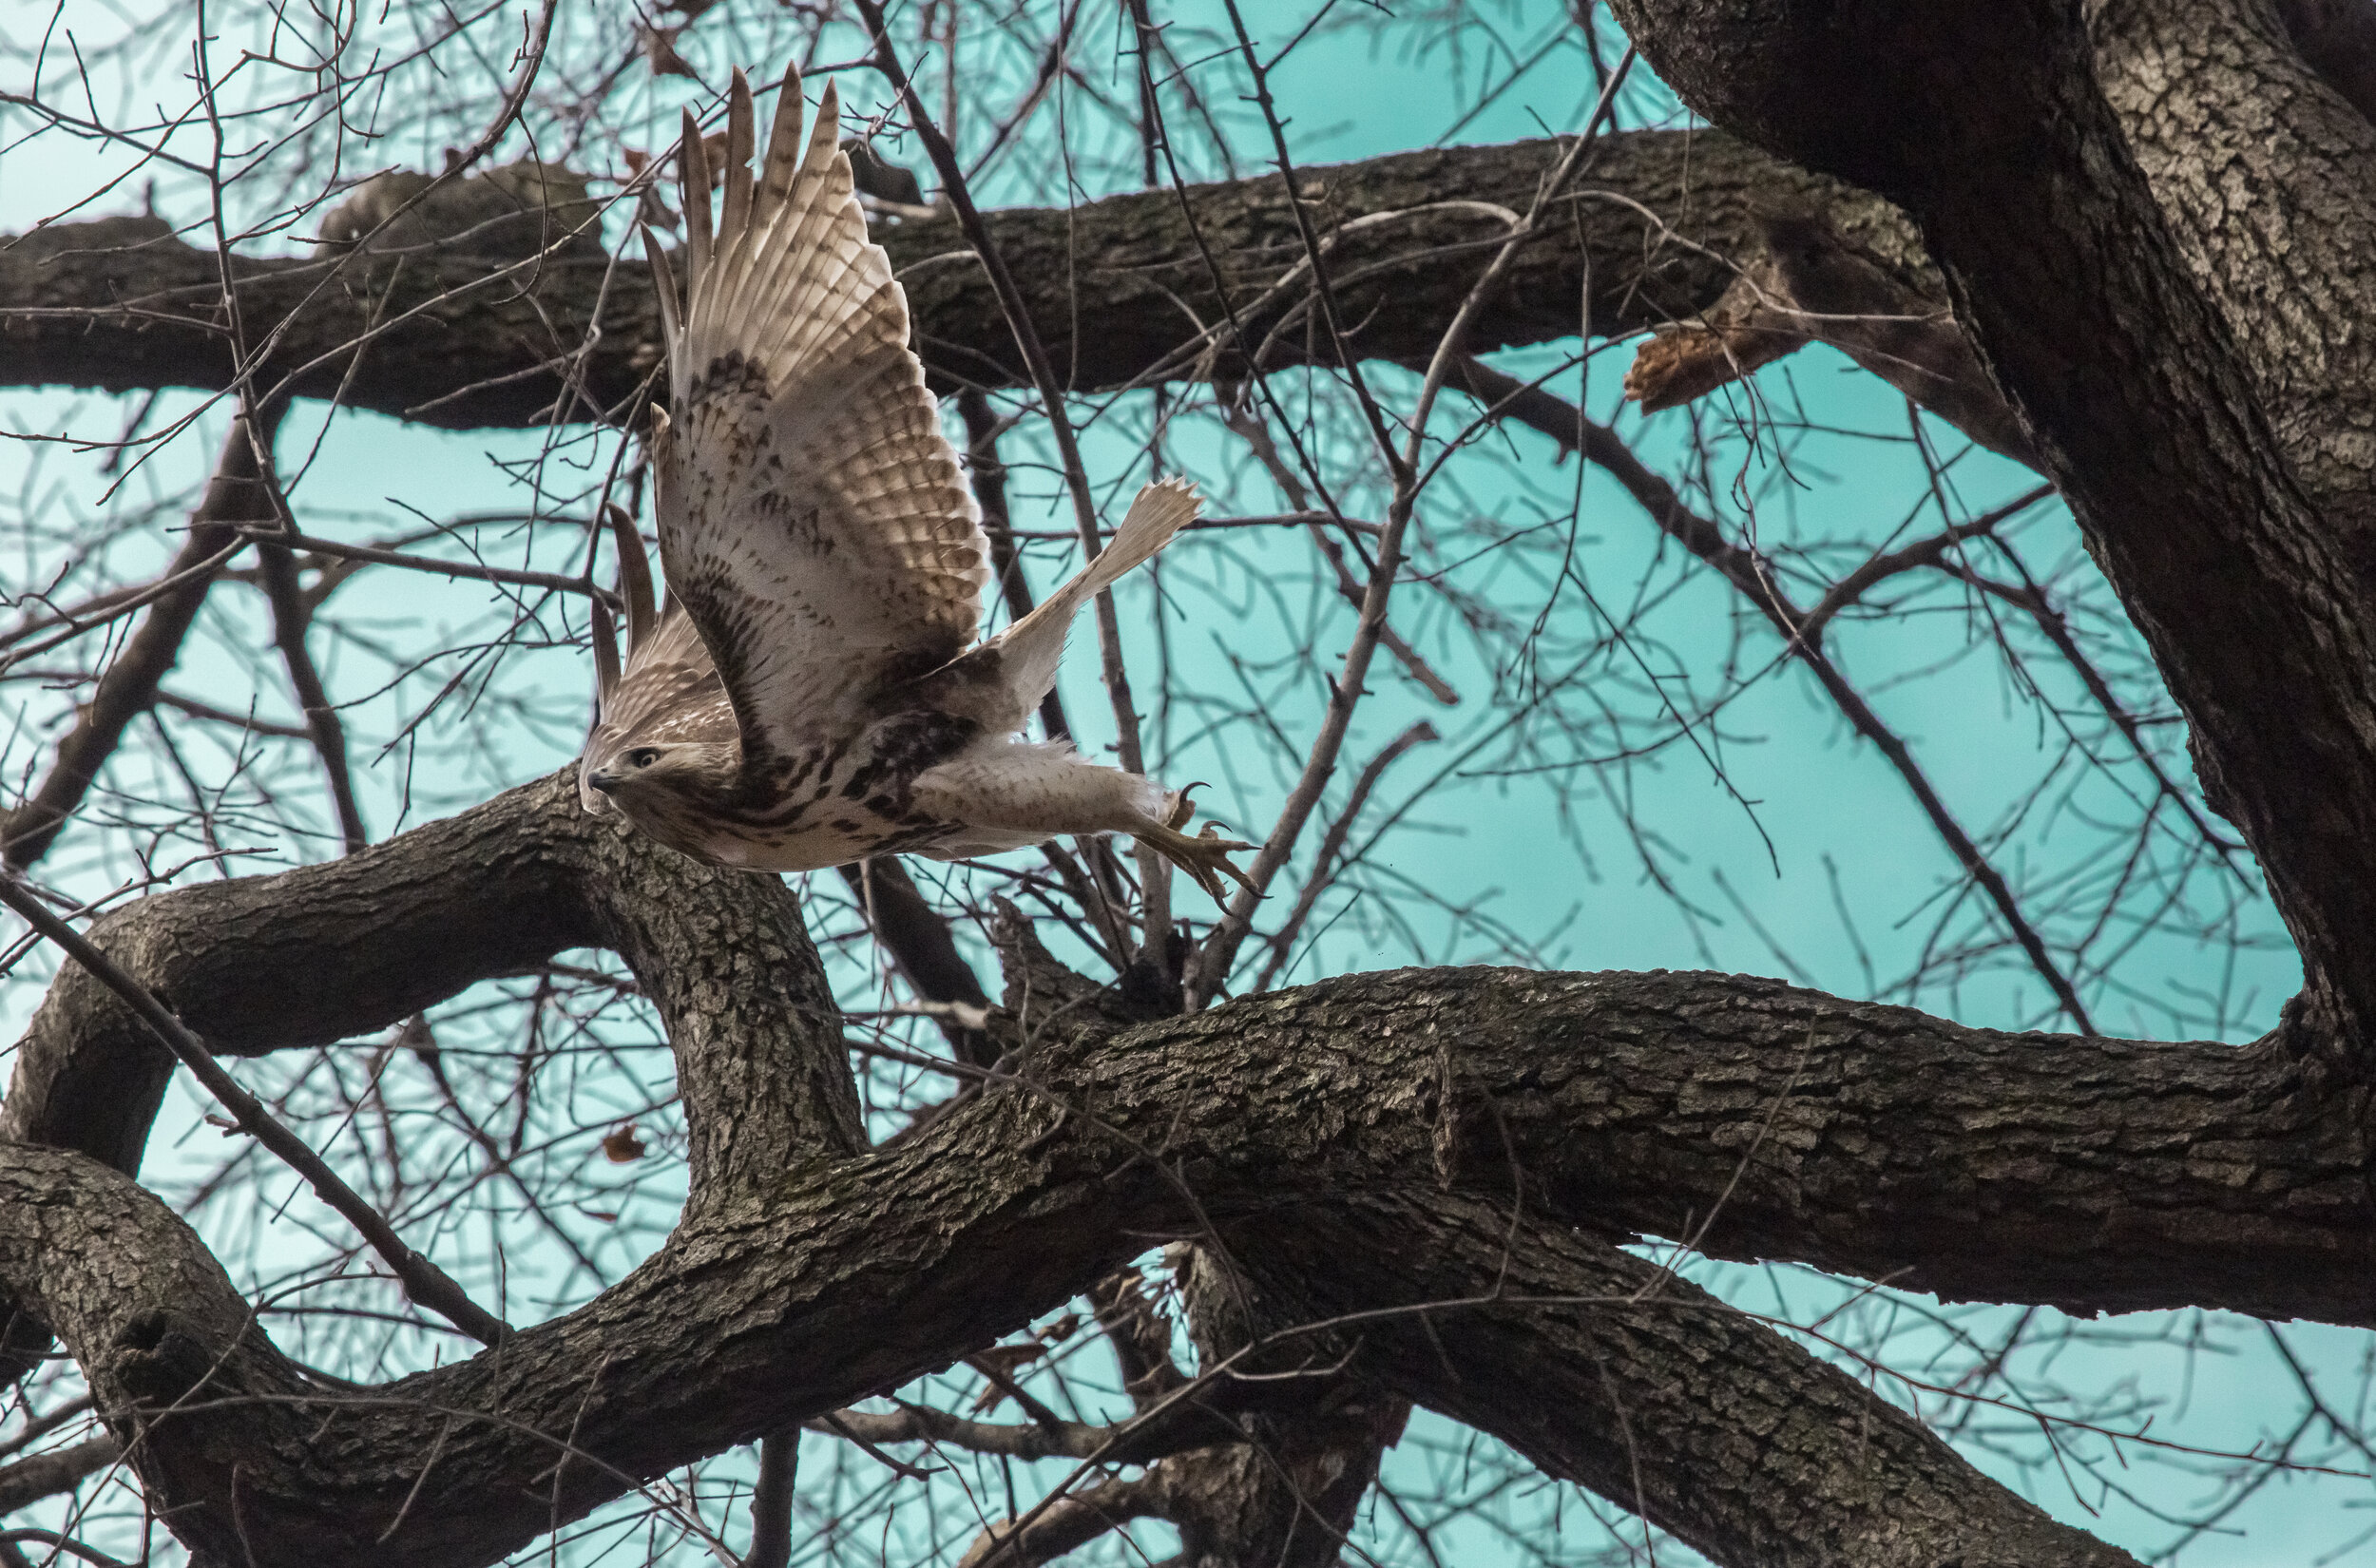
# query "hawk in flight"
(813, 694)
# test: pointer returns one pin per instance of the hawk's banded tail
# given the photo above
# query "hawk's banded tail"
(1030, 649)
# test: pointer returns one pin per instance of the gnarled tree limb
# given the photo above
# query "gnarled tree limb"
(1805, 1469)
(1765, 1120)
(1118, 286)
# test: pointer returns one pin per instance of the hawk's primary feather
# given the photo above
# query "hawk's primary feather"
(816, 526)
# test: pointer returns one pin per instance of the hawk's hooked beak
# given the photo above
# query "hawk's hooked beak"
(603, 782)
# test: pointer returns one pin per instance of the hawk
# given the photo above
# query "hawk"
(811, 693)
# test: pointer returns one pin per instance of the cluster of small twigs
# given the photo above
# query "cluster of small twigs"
(1441, 612)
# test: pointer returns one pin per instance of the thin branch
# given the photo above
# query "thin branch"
(1248, 426)
(43, 1424)
(1749, 573)
(2031, 599)
(130, 686)
(920, 943)
(1928, 552)
(990, 491)
(470, 570)
(291, 619)
(424, 1281)
(771, 1503)
(29, 1481)
(1165, 1425)
(212, 715)
(1213, 960)
(1068, 1524)
(1332, 843)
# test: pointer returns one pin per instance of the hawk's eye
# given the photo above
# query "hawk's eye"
(643, 757)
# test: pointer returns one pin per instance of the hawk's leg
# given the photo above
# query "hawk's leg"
(1041, 789)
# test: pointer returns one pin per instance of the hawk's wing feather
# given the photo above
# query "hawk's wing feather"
(669, 691)
(812, 519)
(635, 574)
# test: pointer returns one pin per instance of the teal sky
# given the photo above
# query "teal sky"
(1803, 822)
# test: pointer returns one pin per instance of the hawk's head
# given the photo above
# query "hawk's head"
(669, 790)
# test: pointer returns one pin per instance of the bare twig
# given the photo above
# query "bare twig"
(44, 1424)
(1248, 426)
(130, 684)
(1749, 572)
(919, 940)
(989, 491)
(423, 1281)
(1332, 843)
(1215, 958)
(291, 617)
(471, 571)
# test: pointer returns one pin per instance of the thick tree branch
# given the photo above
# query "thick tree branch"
(997, 1212)
(1645, 1389)
(2267, 182)
(424, 1281)
(1287, 1494)
(355, 946)
(1886, 1178)
(1118, 287)
(29, 1481)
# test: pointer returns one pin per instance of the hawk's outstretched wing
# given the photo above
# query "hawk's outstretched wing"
(813, 521)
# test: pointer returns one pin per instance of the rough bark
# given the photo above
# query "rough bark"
(1288, 1495)
(1803, 1470)
(1118, 287)
(2267, 178)
(2229, 532)
(29, 1481)
(849, 1278)
(2102, 1174)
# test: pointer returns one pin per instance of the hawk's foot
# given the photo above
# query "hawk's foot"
(1204, 856)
